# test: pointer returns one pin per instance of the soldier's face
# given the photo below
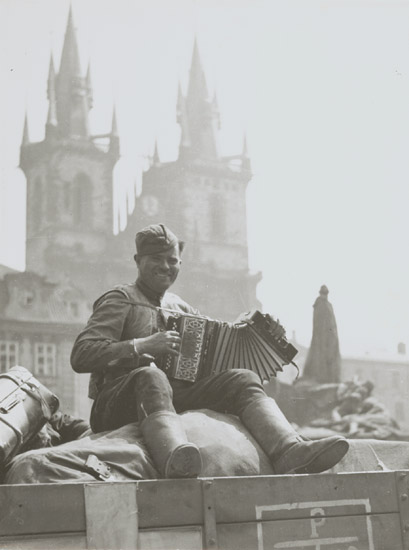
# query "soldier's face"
(159, 271)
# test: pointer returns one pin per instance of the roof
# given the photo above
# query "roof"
(4, 269)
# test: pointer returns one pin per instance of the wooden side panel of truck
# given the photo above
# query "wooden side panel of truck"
(354, 511)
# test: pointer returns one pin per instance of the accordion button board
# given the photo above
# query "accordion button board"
(208, 347)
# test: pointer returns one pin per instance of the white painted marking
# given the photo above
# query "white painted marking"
(315, 522)
(260, 510)
(317, 543)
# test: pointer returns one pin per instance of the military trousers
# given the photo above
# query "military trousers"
(143, 391)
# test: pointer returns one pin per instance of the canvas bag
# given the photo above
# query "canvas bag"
(25, 406)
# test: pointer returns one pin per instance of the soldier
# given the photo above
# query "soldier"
(124, 336)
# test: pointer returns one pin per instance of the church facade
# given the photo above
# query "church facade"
(71, 249)
(201, 196)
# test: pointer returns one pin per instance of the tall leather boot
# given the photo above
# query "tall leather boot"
(287, 450)
(167, 443)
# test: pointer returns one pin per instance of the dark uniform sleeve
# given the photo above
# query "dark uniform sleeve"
(99, 345)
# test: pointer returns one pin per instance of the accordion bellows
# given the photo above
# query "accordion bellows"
(256, 343)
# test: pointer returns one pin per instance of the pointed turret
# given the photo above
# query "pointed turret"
(114, 137)
(155, 157)
(72, 89)
(215, 110)
(197, 82)
(70, 60)
(181, 118)
(25, 142)
(26, 137)
(197, 116)
(180, 104)
(245, 160)
(118, 214)
(114, 125)
(127, 205)
(88, 81)
(51, 125)
(51, 78)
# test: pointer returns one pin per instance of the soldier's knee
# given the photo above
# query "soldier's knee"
(243, 379)
(151, 375)
(247, 376)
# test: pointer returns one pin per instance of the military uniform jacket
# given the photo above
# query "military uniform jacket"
(105, 346)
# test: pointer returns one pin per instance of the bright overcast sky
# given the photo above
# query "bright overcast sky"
(320, 87)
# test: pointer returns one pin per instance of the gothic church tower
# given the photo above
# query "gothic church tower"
(69, 180)
(202, 197)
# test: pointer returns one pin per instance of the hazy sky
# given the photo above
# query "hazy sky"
(320, 87)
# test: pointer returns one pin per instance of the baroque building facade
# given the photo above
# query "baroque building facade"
(72, 254)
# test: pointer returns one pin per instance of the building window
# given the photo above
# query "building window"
(27, 298)
(8, 355)
(45, 363)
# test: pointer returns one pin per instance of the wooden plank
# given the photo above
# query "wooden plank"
(111, 514)
(182, 538)
(402, 489)
(209, 515)
(376, 532)
(170, 502)
(66, 541)
(167, 503)
(61, 508)
(43, 508)
(237, 499)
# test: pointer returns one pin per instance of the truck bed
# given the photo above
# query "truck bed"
(351, 511)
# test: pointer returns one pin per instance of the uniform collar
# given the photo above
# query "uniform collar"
(154, 297)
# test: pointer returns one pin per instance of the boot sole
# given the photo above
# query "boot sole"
(326, 459)
(185, 462)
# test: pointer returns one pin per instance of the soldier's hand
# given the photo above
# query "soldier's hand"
(160, 343)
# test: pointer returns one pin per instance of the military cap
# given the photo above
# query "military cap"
(154, 239)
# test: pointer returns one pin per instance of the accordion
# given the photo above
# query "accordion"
(257, 342)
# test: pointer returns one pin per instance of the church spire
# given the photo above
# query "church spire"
(197, 82)
(73, 93)
(70, 59)
(197, 115)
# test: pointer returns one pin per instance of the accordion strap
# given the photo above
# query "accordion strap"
(157, 308)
